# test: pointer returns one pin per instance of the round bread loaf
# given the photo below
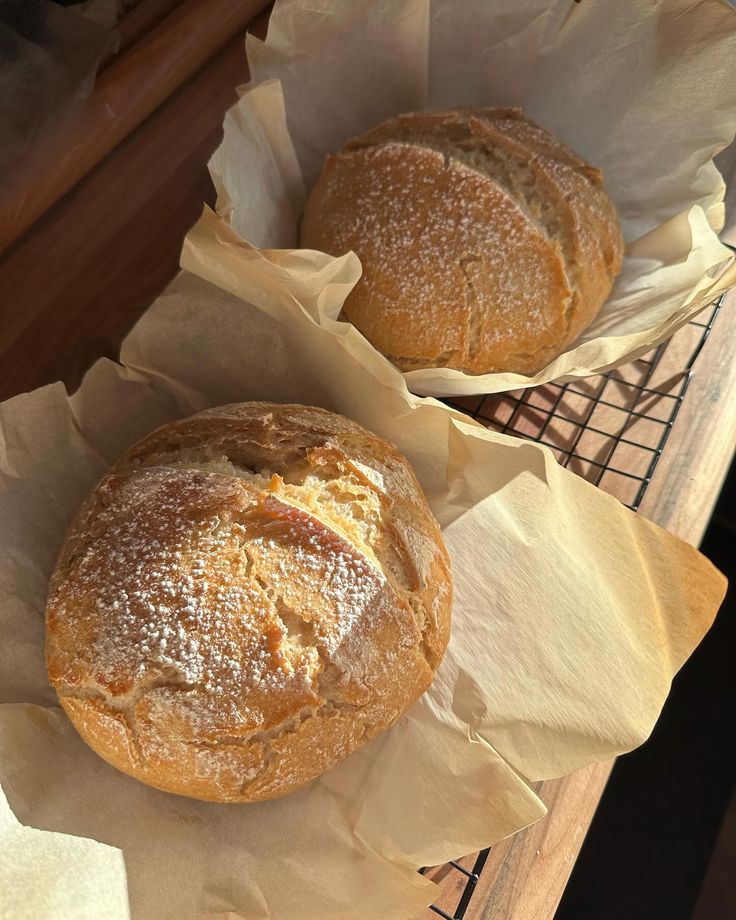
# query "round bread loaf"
(249, 595)
(486, 244)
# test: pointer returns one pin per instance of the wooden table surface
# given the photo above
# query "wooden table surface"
(73, 285)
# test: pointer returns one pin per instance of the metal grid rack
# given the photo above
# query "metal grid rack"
(611, 430)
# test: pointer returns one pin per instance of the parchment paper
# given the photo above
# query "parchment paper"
(643, 90)
(571, 616)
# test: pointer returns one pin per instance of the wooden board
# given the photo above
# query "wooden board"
(71, 288)
(525, 874)
(126, 92)
(689, 476)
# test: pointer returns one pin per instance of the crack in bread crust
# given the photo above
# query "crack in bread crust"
(474, 312)
(123, 706)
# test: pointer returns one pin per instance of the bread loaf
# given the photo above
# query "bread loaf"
(486, 244)
(248, 596)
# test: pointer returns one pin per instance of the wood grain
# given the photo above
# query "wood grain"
(141, 20)
(690, 473)
(71, 289)
(525, 875)
(127, 91)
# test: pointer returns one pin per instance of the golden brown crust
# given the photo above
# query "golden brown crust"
(248, 596)
(486, 244)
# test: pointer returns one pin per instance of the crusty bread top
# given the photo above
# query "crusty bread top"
(249, 595)
(486, 244)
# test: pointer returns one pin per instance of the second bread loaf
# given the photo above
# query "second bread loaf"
(486, 244)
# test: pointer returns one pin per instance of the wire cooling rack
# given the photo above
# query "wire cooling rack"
(611, 430)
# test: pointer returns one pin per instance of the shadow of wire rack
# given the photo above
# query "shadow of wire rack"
(611, 430)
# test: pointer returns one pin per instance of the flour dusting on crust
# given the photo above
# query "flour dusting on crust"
(245, 603)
